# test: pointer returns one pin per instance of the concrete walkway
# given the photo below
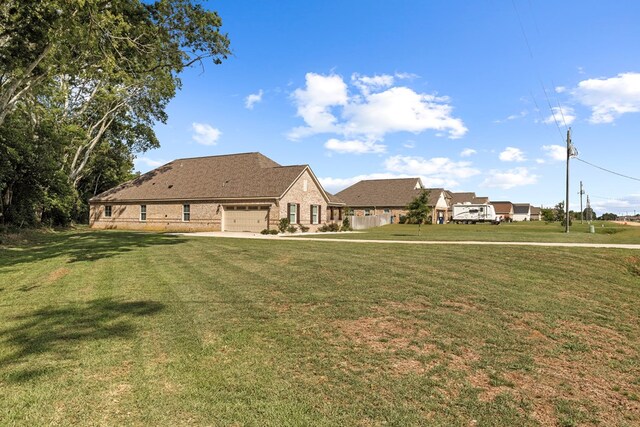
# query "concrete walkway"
(405, 242)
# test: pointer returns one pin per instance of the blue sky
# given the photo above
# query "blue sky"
(451, 91)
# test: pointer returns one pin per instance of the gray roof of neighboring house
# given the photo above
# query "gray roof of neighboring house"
(535, 210)
(233, 176)
(398, 192)
(521, 208)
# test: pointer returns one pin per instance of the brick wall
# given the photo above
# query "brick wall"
(311, 196)
(160, 217)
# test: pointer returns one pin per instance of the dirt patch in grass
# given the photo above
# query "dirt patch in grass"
(57, 274)
(582, 366)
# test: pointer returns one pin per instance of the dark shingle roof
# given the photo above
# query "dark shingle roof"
(398, 192)
(462, 197)
(502, 207)
(521, 208)
(380, 192)
(216, 177)
(480, 200)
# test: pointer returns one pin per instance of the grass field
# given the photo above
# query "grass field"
(531, 231)
(118, 328)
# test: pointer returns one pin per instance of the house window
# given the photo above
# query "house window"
(293, 213)
(315, 210)
(331, 214)
(367, 212)
(387, 211)
(107, 211)
(143, 212)
(186, 212)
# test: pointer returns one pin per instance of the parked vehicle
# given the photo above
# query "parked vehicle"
(469, 213)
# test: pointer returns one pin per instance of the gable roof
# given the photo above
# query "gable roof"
(381, 192)
(535, 210)
(521, 208)
(480, 200)
(502, 207)
(457, 198)
(233, 176)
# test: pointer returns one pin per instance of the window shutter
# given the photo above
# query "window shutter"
(310, 214)
(319, 214)
(298, 213)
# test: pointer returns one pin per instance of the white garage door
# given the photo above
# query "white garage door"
(245, 218)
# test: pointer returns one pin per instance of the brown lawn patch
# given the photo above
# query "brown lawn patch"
(57, 274)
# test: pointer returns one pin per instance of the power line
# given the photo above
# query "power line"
(607, 170)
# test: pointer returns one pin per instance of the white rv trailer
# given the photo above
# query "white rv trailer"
(469, 213)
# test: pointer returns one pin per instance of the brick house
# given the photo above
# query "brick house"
(391, 196)
(237, 192)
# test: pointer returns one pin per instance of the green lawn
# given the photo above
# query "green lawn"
(530, 231)
(117, 328)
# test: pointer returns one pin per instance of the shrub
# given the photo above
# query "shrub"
(291, 228)
(324, 228)
(284, 224)
(347, 228)
(333, 227)
(346, 224)
(273, 231)
(304, 228)
(265, 231)
(403, 219)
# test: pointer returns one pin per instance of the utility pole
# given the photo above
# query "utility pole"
(581, 211)
(566, 202)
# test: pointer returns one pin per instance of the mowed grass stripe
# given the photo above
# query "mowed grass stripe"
(175, 330)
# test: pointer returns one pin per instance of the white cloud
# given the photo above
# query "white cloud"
(540, 161)
(435, 172)
(520, 115)
(467, 152)
(314, 104)
(442, 166)
(557, 115)
(253, 99)
(511, 178)
(366, 84)
(512, 154)
(401, 109)
(618, 205)
(146, 162)
(409, 144)
(611, 97)
(380, 108)
(560, 89)
(555, 152)
(205, 134)
(354, 146)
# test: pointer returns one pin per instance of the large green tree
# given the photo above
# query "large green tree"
(101, 71)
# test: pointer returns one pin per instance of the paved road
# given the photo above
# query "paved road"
(412, 242)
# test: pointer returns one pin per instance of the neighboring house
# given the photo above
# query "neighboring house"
(480, 200)
(504, 209)
(536, 213)
(521, 212)
(237, 192)
(391, 196)
(458, 198)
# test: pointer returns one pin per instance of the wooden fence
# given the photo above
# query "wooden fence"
(363, 222)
